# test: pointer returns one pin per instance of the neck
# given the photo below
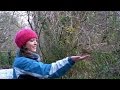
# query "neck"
(29, 54)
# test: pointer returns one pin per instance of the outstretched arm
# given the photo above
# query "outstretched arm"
(60, 67)
(41, 70)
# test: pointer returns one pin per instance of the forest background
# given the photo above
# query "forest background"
(66, 33)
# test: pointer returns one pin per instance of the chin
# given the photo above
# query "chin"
(33, 50)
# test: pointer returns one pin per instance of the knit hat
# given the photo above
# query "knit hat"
(24, 35)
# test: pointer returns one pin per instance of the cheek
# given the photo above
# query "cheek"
(29, 46)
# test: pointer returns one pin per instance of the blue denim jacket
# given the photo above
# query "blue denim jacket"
(34, 67)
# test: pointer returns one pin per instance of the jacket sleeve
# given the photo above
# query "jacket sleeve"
(60, 67)
(41, 70)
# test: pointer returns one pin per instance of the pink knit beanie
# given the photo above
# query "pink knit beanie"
(24, 35)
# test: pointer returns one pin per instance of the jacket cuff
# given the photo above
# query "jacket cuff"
(71, 61)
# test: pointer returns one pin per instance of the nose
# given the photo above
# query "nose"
(35, 42)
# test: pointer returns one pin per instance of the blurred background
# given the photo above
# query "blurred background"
(66, 33)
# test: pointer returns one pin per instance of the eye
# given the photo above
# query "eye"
(34, 39)
(31, 40)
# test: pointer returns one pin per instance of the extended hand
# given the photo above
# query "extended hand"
(81, 57)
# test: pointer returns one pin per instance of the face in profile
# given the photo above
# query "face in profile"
(31, 45)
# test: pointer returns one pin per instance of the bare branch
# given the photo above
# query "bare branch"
(28, 14)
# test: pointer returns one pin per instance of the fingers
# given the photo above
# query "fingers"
(84, 56)
(80, 57)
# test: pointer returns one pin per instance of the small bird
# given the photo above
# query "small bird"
(86, 52)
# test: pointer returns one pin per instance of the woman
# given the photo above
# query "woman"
(28, 65)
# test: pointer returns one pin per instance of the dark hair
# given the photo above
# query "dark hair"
(23, 51)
